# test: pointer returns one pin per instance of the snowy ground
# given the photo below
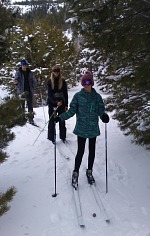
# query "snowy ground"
(30, 168)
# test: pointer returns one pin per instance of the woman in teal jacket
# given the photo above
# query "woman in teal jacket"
(88, 107)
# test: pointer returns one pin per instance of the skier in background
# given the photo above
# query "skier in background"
(57, 97)
(88, 106)
(26, 82)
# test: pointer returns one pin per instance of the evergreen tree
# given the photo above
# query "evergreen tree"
(54, 11)
(7, 18)
(10, 109)
(119, 30)
(43, 45)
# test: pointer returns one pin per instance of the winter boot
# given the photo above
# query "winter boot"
(63, 140)
(30, 117)
(90, 177)
(75, 176)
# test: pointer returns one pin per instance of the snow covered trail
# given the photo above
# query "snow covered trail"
(123, 221)
(128, 183)
(30, 168)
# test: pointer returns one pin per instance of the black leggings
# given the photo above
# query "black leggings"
(80, 152)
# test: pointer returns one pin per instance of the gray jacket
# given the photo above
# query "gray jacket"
(20, 78)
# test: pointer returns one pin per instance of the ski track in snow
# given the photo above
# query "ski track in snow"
(131, 208)
(30, 168)
(115, 218)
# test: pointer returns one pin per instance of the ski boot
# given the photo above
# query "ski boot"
(63, 140)
(90, 177)
(31, 121)
(75, 176)
(30, 116)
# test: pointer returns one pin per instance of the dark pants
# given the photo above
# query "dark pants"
(29, 103)
(51, 124)
(80, 152)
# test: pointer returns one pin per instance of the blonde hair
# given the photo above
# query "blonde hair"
(60, 82)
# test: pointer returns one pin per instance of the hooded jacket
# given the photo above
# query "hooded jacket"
(88, 107)
(20, 78)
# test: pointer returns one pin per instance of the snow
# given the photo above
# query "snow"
(3, 92)
(26, 39)
(23, 8)
(72, 20)
(30, 168)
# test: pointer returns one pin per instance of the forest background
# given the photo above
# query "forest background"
(111, 38)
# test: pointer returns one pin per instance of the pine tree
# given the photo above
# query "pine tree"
(120, 31)
(43, 45)
(10, 109)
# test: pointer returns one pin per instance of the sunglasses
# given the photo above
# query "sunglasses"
(86, 82)
(56, 70)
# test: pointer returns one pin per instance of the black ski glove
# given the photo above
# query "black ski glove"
(57, 119)
(105, 118)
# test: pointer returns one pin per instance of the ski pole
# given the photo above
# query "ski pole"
(106, 157)
(42, 103)
(44, 127)
(55, 194)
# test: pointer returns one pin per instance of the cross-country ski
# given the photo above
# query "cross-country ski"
(100, 203)
(78, 207)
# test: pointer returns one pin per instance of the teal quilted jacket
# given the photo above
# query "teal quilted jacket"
(88, 107)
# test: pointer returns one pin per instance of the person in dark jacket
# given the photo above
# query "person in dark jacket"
(26, 82)
(57, 97)
(88, 106)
